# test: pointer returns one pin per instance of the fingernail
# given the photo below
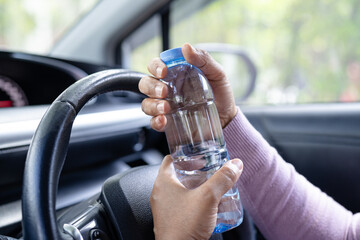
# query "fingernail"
(160, 107)
(159, 71)
(158, 91)
(238, 163)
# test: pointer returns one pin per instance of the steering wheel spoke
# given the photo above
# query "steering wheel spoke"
(86, 220)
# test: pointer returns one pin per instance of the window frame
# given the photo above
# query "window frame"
(164, 13)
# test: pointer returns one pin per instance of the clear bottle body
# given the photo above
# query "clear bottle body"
(195, 137)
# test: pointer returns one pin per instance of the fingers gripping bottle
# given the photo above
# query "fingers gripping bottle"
(194, 133)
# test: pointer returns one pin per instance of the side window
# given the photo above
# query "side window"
(142, 45)
(303, 51)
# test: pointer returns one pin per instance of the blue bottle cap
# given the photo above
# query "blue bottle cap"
(172, 55)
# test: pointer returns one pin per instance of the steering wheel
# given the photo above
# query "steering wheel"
(130, 217)
(123, 203)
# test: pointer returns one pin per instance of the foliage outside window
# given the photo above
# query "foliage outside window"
(305, 51)
(35, 25)
(142, 45)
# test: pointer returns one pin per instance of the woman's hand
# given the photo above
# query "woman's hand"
(180, 213)
(156, 90)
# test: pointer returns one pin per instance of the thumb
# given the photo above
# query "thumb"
(203, 60)
(223, 179)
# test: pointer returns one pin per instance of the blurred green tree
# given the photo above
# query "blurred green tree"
(303, 49)
(35, 25)
(14, 17)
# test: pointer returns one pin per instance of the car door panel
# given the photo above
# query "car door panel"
(322, 141)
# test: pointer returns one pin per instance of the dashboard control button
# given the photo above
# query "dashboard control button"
(97, 234)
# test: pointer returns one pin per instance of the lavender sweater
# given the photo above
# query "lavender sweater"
(282, 203)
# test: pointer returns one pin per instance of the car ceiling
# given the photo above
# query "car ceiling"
(85, 43)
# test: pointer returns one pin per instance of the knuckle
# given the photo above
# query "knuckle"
(143, 85)
(229, 174)
(147, 107)
(204, 53)
(143, 103)
(156, 187)
(154, 125)
(151, 64)
(140, 85)
(154, 194)
(154, 63)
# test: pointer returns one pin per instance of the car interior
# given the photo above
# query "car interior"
(78, 157)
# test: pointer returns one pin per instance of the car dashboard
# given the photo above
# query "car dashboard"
(110, 135)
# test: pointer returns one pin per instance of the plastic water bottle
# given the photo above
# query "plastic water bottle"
(194, 133)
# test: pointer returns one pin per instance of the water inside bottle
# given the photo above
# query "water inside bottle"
(193, 170)
(194, 164)
(196, 140)
(230, 213)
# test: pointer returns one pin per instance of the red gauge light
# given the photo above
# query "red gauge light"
(11, 94)
(5, 104)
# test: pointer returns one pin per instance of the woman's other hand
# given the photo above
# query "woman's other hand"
(180, 213)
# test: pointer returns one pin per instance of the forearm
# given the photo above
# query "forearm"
(283, 204)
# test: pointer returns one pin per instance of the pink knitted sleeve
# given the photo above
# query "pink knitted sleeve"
(282, 203)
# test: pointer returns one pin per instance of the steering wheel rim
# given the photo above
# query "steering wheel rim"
(48, 149)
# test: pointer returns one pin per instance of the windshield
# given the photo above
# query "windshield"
(34, 26)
